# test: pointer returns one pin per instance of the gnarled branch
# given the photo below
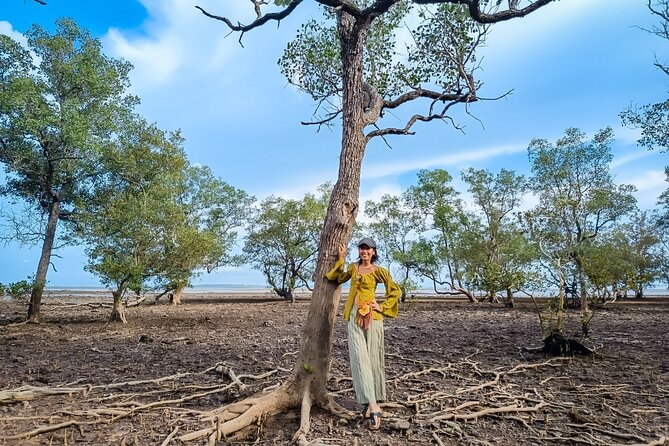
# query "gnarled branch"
(483, 17)
(258, 22)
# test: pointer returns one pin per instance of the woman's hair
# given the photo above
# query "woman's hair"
(375, 257)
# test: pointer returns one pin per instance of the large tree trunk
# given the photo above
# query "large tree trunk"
(175, 297)
(34, 315)
(118, 310)
(509, 298)
(313, 362)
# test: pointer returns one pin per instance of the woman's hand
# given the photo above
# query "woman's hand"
(342, 252)
(376, 307)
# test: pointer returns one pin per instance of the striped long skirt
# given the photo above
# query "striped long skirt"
(366, 354)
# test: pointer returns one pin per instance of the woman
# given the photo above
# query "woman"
(365, 324)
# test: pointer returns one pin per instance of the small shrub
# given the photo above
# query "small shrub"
(3, 289)
(20, 289)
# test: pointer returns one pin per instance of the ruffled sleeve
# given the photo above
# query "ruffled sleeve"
(338, 273)
(390, 306)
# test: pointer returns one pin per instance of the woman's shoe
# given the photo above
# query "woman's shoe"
(365, 411)
(375, 421)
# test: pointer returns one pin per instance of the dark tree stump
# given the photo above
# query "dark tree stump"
(556, 344)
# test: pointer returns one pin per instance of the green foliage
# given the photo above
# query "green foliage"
(394, 227)
(577, 195)
(653, 120)
(663, 205)
(627, 257)
(446, 37)
(437, 202)
(155, 221)
(205, 236)
(58, 111)
(134, 209)
(20, 289)
(439, 53)
(283, 237)
(57, 114)
(495, 253)
(578, 200)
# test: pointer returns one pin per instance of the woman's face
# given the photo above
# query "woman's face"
(366, 253)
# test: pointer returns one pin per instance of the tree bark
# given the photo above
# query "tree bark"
(509, 298)
(313, 363)
(176, 295)
(118, 310)
(585, 311)
(34, 315)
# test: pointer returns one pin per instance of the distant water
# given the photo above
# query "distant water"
(227, 288)
(252, 288)
(203, 288)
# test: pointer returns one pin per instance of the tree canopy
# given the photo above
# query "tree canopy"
(60, 100)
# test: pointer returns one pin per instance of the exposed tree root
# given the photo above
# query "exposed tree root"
(170, 437)
(45, 429)
(27, 393)
(236, 416)
(115, 412)
(300, 437)
(445, 402)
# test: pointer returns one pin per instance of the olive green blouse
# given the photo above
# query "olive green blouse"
(364, 286)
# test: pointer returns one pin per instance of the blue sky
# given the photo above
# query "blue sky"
(574, 63)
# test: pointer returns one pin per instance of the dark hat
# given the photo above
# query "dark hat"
(367, 241)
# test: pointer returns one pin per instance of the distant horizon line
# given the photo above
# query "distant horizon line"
(234, 287)
(194, 287)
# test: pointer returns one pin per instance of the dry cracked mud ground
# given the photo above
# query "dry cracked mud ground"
(457, 374)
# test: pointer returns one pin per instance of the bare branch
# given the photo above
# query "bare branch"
(260, 18)
(407, 127)
(431, 94)
(330, 117)
(346, 6)
(483, 17)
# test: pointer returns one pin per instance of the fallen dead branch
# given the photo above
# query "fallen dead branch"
(27, 393)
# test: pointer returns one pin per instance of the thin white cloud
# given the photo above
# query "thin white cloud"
(630, 157)
(7, 29)
(652, 180)
(177, 43)
(155, 61)
(649, 184)
(375, 194)
(626, 135)
(466, 156)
